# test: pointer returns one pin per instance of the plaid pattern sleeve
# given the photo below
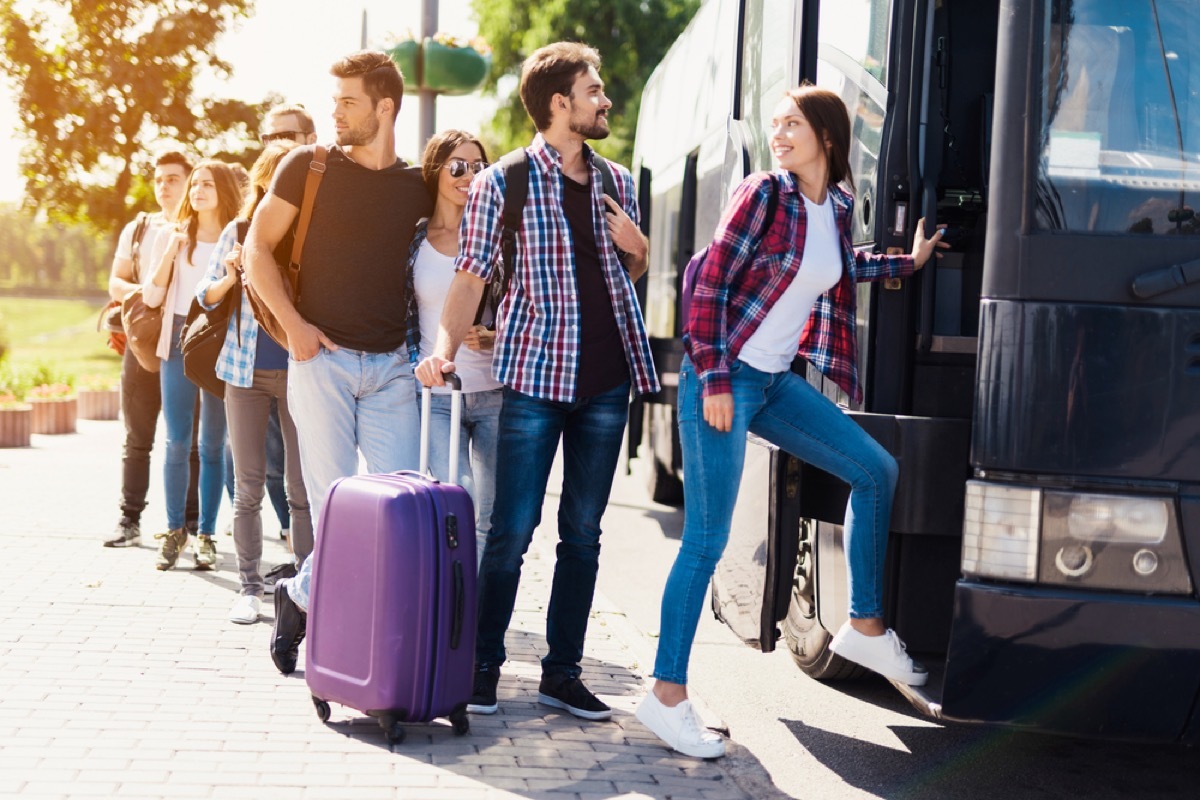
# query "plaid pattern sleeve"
(537, 338)
(413, 317)
(730, 299)
(235, 363)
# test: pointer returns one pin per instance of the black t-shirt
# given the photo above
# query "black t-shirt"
(355, 255)
(602, 364)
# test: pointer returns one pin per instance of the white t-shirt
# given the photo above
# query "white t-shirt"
(772, 347)
(188, 274)
(432, 274)
(154, 226)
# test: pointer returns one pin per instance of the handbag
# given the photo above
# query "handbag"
(204, 332)
(143, 325)
(290, 274)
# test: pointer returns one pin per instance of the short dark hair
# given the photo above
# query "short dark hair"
(830, 121)
(297, 110)
(552, 70)
(380, 76)
(174, 157)
(437, 153)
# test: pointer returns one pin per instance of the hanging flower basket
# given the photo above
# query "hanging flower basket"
(451, 68)
(442, 63)
(16, 422)
(407, 55)
(99, 403)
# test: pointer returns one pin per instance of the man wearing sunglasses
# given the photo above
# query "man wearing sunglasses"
(289, 121)
(570, 346)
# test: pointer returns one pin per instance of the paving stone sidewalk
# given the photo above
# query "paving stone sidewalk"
(120, 681)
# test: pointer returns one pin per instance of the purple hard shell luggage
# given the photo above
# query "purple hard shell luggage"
(391, 623)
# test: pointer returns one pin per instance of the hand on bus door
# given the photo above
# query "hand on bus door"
(923, 248)
(718, 411)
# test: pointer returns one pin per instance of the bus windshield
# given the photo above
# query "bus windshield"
(1120, 142)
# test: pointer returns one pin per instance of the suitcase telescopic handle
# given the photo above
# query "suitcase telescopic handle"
(455, 384)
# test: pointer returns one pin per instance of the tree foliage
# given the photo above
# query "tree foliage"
(631, 35)
(102, 85)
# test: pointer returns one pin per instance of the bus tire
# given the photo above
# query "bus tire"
(808, 640)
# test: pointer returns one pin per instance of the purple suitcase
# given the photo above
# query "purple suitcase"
(391, 624)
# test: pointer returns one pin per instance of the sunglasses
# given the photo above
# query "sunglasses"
(267, 138)
(458, 167)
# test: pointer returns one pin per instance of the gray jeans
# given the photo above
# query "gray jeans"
(246, 412)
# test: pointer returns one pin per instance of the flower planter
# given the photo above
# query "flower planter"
(16, 423)
(99, 403)
(53, 416)
(453, 70)
(407, 55)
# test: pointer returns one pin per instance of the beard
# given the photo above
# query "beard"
(596, 128)
(362, 135)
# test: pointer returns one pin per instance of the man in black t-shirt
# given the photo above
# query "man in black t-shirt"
(350, 385)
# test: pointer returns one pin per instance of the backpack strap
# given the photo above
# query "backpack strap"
(609, 183)
(243, 227)
(514, 166)
(141, 223)
(316, 171)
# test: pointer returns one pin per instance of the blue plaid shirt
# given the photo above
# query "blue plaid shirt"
(537, 333)
(235, 364)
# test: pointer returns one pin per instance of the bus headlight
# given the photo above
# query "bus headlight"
(1000, 531)
(1133, 543)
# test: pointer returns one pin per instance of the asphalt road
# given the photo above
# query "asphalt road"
(800, 738)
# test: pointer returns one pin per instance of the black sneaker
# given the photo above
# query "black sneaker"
(127, 534)
(569, 694)
(275, 574)
(483, 698)
(288, 633)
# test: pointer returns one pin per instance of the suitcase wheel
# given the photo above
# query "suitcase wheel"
(461, 723)
(393, 729)
(322, 709)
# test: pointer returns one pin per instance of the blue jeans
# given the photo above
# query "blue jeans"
(276, 489)
(480, 426)
(591, 431)
(343, 401)
(179, 409)
(785, 410)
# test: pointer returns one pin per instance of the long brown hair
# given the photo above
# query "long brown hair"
(262, 171)
(229, 197)
(827, 115)
(437, 153)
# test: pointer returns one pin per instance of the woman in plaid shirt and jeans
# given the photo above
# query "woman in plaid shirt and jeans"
(760, 300)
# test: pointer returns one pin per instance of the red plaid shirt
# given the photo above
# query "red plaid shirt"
(742, 278)
(537, 328)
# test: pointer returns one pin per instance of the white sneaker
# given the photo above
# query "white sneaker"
(245, 611)
(680, 728)
(883, 654)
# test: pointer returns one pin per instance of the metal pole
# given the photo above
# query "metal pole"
(427, 110)
(363, 42)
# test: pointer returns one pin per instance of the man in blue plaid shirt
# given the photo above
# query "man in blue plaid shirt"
(570, 345)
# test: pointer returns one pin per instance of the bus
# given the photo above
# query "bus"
(1039, 385)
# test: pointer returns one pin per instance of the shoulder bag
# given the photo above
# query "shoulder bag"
(291, 273)
(143, 325)
(203, 334)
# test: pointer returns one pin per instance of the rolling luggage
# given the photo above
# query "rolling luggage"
(391, 625)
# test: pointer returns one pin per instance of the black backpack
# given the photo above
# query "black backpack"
(515, 168)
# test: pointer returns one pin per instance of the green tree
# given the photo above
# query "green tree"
(97, 83)
(631, 35)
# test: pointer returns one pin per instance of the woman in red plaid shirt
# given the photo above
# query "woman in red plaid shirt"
(770, 290)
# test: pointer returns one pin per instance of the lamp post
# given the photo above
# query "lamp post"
(427, 109)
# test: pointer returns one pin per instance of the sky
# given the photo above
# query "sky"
(298, 66)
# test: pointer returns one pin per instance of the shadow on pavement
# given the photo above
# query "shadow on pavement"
(958, 761)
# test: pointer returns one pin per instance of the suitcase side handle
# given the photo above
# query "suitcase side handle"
(455, 425)
(460, 605)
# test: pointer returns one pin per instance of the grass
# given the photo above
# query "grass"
(60, 334)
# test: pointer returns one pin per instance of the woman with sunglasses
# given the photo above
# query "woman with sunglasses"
(452, 160)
